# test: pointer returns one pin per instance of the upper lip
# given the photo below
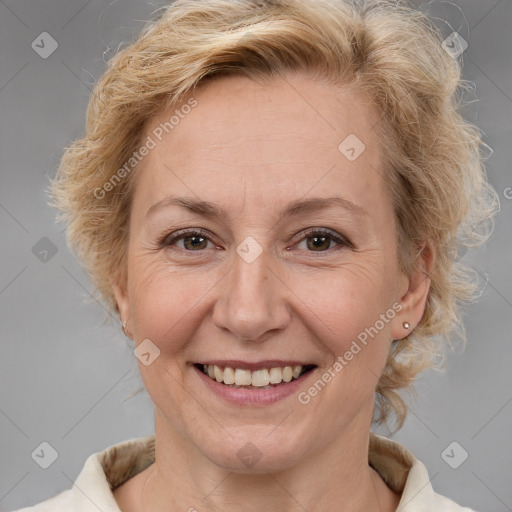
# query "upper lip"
(246, 365)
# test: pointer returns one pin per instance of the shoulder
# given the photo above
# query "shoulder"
(102, 473)
(405, 474)
(443, 504)
(60, 502)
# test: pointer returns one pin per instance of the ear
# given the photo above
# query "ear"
(414, 293)
(123, 303)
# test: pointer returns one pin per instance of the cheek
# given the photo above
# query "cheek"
(167, 306)
(166, 303)
(350, 311)
(349, 297)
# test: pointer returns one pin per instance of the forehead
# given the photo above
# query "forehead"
(267, 143)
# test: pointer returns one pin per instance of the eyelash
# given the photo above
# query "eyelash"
(171, 238)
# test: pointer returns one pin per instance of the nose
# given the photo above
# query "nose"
(252, 304)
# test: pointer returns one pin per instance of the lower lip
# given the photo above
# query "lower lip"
(240, 396)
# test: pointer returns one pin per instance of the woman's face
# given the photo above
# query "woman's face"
(295, 261)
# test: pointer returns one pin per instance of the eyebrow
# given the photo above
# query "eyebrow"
(292, 209)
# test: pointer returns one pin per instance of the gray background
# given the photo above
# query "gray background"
(67, 374)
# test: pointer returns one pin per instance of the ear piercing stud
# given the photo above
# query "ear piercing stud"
(407, 325)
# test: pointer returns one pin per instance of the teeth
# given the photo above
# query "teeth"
(259, 378)
(242, 377)
(229, 376)
(276, 375)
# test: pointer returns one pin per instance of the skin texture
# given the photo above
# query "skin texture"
(251, 149)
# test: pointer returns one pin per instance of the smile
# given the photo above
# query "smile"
(264, 378)
(253, 384)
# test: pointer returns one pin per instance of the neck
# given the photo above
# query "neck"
(337, 478)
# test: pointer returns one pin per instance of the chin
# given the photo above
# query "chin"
(255, 450)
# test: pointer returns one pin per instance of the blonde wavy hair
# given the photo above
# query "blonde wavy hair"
(433, 157)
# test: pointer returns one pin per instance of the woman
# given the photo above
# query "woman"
(271, 196)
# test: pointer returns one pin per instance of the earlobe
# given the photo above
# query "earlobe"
(414, 299)
(123, 304)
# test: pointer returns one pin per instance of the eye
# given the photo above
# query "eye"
(196, 240)
(321, 240)
(193, 240)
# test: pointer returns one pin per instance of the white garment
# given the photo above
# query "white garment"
(107, 470)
